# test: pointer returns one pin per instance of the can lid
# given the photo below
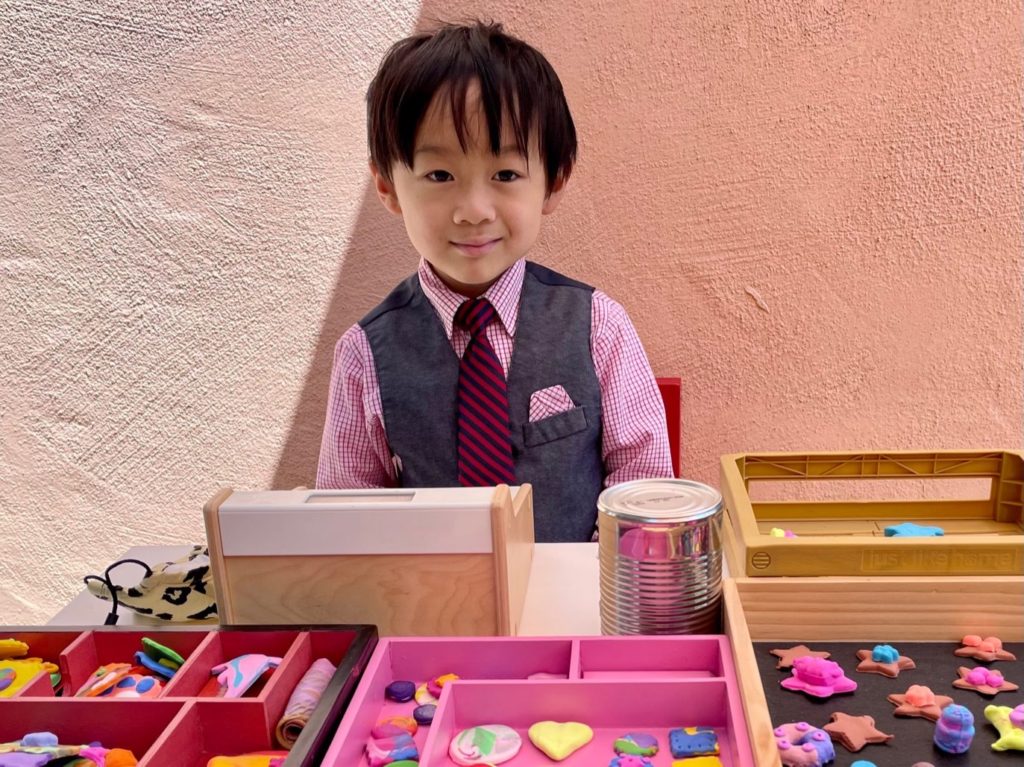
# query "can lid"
(660, 500)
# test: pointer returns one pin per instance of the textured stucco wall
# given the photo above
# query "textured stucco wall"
(811, 209)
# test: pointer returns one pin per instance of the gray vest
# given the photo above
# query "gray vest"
(418, 373)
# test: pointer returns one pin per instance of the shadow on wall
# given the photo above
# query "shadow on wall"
(378, 257)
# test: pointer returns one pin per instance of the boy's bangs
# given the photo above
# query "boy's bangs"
(517, 87)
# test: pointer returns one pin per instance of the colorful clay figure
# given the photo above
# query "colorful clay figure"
(801, 745)
(20, 671)
(239, 674)
(133, 686)
(435, 685)
(955, 729)
(919, 700)
(486, 744)
(12, 648)
(818, 677)
(986, 650)
(885, 660)
(382, 751)
(558, 740)
(910, 530)
(251, 759)
(400, 690)
(1009, 722)
(692, 741)
(630, 760)
(778, 532)
(983, 680)
(636, 743)
(155, 666)
(423, 695)
(103, 679)
(394, 725)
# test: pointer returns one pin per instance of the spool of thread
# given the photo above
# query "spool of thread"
(303, 700)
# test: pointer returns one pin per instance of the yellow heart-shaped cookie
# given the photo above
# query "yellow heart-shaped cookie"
(560, 739)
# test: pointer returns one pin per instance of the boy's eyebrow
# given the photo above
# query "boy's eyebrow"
(439, 150)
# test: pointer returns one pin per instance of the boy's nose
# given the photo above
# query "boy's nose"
(474, 207)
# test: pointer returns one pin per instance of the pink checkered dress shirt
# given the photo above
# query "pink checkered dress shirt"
(354, 451)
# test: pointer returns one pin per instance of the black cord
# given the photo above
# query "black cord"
(111, 618)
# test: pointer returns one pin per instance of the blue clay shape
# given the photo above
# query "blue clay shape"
(400, 690)
(424, 714)
(910, 530)
(883, 653)
(692, 741)
(955, 729)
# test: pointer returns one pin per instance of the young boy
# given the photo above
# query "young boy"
(482, 367)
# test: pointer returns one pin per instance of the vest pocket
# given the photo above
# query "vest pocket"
(555, 427)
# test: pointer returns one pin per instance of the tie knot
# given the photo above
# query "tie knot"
(474, 315)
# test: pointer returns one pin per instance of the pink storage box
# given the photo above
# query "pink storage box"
(613, 684)
(179, 728)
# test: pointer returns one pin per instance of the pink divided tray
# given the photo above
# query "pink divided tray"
(613, 684)
(183, 727)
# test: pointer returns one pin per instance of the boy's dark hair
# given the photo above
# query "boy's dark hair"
(515, 80)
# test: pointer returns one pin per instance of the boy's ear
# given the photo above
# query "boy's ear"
(552, 200)
(385, 190)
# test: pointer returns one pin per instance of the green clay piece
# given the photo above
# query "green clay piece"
(404, 763)
(165, 656)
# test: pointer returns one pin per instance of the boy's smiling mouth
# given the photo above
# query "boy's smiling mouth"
(476, 247)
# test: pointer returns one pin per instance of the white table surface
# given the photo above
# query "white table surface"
(561, 597)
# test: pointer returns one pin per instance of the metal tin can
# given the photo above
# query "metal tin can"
(660, 557)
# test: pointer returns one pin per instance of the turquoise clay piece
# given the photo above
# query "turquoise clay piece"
(910, 530)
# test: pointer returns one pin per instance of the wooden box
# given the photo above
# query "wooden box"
(184, 726)
(435, 561)
(982, 536)
(804, 610)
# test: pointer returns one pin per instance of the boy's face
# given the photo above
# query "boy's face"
(469, 214)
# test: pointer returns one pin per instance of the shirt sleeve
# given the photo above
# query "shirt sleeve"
(634, 442)
(354, 450)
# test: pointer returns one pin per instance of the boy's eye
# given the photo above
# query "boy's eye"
(507, 175)
(438, 176)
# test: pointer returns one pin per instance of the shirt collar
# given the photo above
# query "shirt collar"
(503, 294)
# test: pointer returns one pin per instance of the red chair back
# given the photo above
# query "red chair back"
(671, 392)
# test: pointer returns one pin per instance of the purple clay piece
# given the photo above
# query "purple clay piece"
(400, 690)
(955, 729)
(424, 714)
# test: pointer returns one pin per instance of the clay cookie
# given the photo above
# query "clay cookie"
(885, 660)
(983, 680)
(855, 732)
(786, 657)
(987, 650)
(919, 700)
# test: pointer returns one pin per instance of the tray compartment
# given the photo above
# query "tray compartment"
(667, 657)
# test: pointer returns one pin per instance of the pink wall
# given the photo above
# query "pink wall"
(812, 211)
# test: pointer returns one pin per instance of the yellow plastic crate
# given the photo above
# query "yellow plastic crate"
(981, 536)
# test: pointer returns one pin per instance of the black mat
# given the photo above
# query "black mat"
(936, 668)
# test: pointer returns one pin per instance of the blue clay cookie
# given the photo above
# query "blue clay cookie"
(424, 714)
(637, 743)
(400, 690)
(692, 741)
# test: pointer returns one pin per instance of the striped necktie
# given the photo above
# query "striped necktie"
(485, 448)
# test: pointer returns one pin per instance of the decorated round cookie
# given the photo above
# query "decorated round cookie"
(487, 743)
(637, 743)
